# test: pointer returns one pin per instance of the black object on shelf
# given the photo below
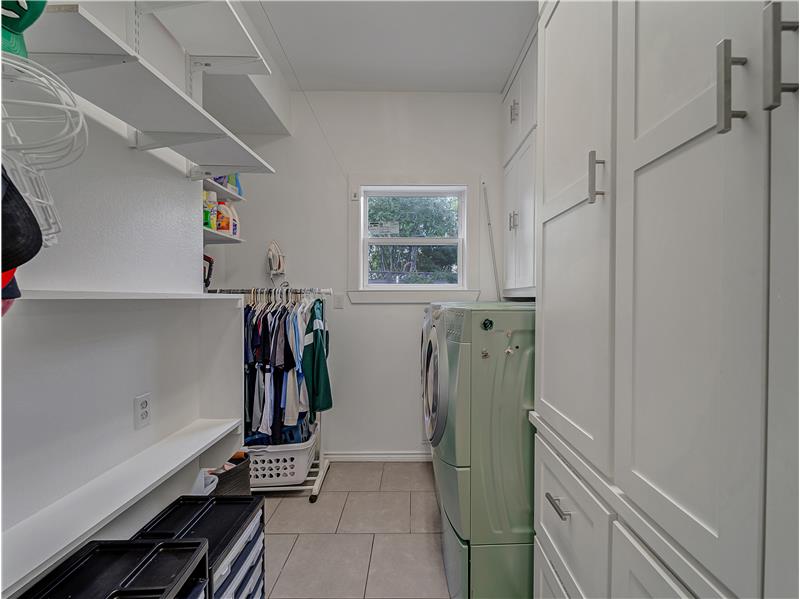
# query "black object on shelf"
(141, 569)
(233, 526)
(235, 481)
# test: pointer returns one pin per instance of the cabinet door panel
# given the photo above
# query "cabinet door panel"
(691, 250)
(526, 166)
(636, 573)
(527, 75)
(509, 236)
(573, 235)
(512, 120)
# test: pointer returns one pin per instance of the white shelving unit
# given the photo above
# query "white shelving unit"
(223, 43)
(223, 193)
(68, 522)
(38, 294)
(211, 237)
(99, 66)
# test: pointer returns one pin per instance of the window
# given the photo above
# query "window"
(413, 237)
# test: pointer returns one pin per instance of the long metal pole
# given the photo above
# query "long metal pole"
(491, 239)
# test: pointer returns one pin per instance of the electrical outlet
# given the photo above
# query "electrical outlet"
(142, 410)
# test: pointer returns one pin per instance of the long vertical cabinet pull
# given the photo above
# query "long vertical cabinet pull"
(724, 63)
(773, 27)
(593, 162)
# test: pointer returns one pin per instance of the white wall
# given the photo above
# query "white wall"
(131, 220)
(374, 354)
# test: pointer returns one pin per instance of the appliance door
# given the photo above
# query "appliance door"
(435, 394)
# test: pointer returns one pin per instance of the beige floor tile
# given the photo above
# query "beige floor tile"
(353, 476)
(325, 566)
(376, 512)
(425, 515)
(270, 505)
(407, 476)
(298, 515)
(278, 548)
(406, 566)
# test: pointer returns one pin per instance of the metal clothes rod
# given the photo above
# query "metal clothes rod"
(317, 290)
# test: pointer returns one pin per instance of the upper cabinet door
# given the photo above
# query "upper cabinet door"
(526, 167)
(512, 120)
(573, 230)
(528, 84)
(691, 272)
(509, 237)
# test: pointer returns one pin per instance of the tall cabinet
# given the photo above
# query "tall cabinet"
(519, 156)
(657, 319)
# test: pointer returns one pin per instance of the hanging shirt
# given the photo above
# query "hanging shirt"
(315, 361)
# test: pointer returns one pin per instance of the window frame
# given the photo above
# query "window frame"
(469, 220)
(459, 241)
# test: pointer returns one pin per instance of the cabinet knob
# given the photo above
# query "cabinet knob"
(725, 61)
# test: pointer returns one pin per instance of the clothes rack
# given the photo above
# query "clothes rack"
(319, 467)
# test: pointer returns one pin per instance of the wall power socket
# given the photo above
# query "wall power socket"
(142, 410)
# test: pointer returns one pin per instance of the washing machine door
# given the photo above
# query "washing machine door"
(435, 395)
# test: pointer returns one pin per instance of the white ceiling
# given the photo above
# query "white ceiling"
(452, 46)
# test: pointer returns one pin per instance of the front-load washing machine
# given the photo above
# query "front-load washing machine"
(479, 389)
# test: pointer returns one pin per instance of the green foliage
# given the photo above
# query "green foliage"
(416, 217)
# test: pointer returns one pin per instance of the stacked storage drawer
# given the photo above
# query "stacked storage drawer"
(234, 528)
(148, 568)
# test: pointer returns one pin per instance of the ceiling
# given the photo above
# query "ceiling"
(451, 46)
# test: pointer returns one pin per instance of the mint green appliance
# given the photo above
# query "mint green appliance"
(479, 389)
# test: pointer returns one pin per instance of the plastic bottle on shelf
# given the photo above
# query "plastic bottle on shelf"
(224, 217)
(210, 210)
(235, 231)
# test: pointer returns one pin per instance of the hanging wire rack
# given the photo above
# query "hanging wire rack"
(43, 129)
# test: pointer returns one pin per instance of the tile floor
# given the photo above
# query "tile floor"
(374, 532)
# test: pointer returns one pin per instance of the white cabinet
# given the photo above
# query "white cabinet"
(691, 282)
(572, 523)
(520, 209)
(519, 105)
(546, 584)
(512, 119)
(636, 573)
(781, 558)
(573, 350)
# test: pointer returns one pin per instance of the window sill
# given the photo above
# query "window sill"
(412, 296)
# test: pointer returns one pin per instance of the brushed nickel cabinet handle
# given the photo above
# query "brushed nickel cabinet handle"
(593, 162)
(556, 503)
(725, 62)
(773, 51)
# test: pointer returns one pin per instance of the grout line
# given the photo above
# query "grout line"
(380, 483)
(369, 564)
(275, 582)
(344, 505)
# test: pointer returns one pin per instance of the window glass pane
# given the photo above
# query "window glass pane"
(412, 216)
(412, 265)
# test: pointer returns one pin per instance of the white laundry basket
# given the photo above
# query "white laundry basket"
(278, 465)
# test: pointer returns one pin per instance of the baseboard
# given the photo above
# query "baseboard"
(379, 456)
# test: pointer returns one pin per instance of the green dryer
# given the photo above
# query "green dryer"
(478, 391)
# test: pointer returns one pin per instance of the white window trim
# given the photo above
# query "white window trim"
(466, 290)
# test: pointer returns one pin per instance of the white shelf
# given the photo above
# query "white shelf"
(102, 68)
(33, 545)
(37, 294)
(223, 42)
(211, 237)
(223, 193)
(218, 33)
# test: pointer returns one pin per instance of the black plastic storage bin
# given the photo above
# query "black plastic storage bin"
(144, 569)
(234, 528)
